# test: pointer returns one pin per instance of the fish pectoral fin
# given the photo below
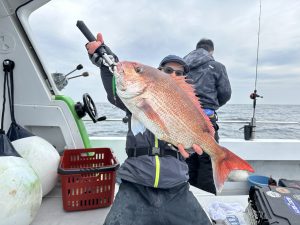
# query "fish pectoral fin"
(137, 126)
(151, 114)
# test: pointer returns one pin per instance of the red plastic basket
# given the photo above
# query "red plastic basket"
(88, 178)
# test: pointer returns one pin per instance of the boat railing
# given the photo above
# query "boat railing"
(240, 128)
(220, 121)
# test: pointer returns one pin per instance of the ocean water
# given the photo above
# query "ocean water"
(232, 118)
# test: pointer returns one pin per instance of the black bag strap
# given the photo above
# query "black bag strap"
(4, 101)
(10, 88)
(15, 131)
(5, 69)
(6, 148)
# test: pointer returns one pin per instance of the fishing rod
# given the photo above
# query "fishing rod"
(101, 50)
(249, 130)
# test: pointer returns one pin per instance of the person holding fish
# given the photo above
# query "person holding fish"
(213, 89)
(154, 187)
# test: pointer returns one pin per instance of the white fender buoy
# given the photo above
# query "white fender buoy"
(238, 175)
(20, 191)
(43, 158)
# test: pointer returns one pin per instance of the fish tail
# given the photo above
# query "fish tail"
(223, 166)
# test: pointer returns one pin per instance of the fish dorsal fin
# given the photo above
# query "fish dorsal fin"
(190, 91)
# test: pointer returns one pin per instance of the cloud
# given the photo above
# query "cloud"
(146, 31)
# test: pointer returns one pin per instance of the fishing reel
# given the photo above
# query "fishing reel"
(249, 129)
(254, 95)
(88, 107)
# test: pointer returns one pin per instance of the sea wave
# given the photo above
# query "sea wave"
(266, 116)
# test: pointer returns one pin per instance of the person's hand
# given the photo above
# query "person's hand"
(93, 45)
(185, 154)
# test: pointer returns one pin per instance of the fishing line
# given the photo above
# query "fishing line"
(257, 50)
(249, 130)
(254, 94)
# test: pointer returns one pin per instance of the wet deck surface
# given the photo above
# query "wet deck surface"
(52, 212)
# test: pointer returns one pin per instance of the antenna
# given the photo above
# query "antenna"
(249, 130)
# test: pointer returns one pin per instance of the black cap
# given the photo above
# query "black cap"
(206, 44)
(177, 59)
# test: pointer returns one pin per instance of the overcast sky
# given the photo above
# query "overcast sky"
(146, 31)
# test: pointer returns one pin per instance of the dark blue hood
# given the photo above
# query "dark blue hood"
(197, 58)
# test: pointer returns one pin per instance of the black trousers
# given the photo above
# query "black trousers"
(200, 168)
(139, 205)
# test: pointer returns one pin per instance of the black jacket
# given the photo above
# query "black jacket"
(209, 78)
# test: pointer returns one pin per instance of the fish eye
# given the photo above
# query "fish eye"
(138, 69)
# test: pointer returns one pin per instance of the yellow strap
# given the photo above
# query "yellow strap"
(157, 171)
(157, 165)
(155, 142)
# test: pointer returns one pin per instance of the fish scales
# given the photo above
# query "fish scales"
(172, 106)
(167, 106)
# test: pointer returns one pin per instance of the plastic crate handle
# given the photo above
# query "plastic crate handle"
(87, 170)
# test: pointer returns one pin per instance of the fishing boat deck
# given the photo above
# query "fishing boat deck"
(51, 211)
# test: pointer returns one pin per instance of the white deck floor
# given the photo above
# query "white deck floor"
(52, 213)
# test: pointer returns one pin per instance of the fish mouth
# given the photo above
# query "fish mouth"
(120, 77)
(120, 70)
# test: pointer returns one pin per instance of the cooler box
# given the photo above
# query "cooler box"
(270, 205)
(88, 178)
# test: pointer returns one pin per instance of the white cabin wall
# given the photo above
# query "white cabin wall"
(35, 107)
(30, 88)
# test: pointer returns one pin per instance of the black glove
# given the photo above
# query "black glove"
(97, 58)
